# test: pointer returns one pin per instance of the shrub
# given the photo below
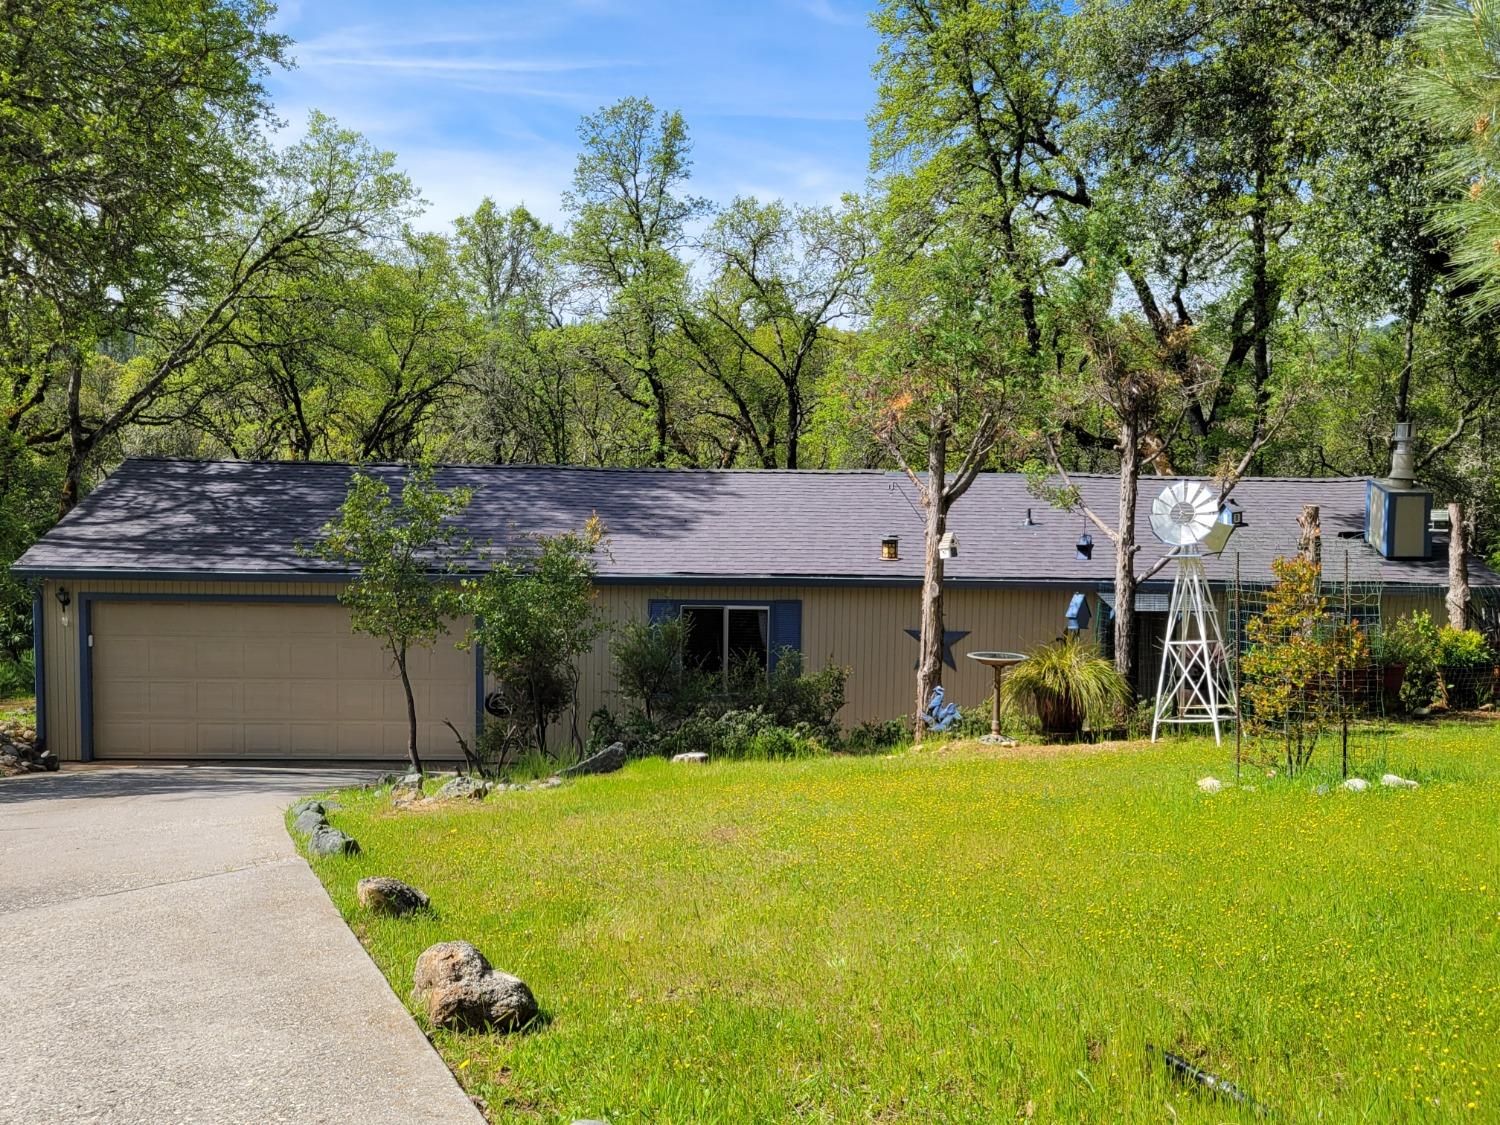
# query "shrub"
(1067, 682)
(790, 697)
(535, 613)
(751, 713)
(17, 674)
(632, 728)
(651, 671)
(1464, 661)
(1413, 641)
(1462, 648)
(875, 735)
(1300, 663)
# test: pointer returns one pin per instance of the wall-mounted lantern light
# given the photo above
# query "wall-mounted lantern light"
(948, 546)
(890, 548)
(64, 599)
(1085, 547)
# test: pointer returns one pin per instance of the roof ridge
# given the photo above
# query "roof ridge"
(511, 466)
(685, 470)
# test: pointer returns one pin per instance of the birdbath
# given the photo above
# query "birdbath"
(999, 661)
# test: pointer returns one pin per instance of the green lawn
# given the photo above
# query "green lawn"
(959, 936)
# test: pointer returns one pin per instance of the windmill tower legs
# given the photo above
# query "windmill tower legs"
(1193, 685)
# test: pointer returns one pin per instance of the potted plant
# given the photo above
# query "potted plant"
(1412, 642)
(1464, 663)
(1388, 654)
(1068, 684)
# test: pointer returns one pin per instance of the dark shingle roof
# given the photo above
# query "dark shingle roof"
(235, 519)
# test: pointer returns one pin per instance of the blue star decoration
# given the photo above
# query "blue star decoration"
(951, 637)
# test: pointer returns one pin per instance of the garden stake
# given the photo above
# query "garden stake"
(1239, 640)
(1180, 1067)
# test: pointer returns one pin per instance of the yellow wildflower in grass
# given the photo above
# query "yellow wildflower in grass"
(954, 936)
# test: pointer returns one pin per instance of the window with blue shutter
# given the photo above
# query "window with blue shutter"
(723, 630)
(786, 628)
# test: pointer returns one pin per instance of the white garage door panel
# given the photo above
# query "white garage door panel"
(263, 680)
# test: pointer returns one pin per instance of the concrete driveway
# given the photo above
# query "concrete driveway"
(165, 956)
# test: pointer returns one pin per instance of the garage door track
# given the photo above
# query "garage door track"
(165, 956)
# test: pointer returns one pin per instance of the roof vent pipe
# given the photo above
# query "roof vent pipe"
(1403, 460)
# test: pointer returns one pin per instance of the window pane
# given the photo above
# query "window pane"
(705, 640)
(748, 634)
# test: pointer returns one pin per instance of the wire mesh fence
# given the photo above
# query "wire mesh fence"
(1303, 648)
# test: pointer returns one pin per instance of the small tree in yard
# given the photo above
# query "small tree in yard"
(402, 550)
(535, 614)
(651, 668)
(938, 374)
(1298, 663)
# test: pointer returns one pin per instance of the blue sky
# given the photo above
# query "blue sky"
(484, 98)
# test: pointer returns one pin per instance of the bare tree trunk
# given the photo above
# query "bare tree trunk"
(72, 489)
(930, 661)
(1408, 354)
(1310, 537)
(1125, 549)
(411, 712)
(930, 642)
(1458, 568)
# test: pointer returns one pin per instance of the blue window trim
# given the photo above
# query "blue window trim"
(478, 690)
(784, 619)
(38, 657)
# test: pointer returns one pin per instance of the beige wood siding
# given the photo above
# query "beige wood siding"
(861, 628)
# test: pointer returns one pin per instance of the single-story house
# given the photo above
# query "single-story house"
(175, 617)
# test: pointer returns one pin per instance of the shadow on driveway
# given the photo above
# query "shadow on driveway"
(197, 780)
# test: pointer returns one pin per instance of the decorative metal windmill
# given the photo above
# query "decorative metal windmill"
(1194, 684)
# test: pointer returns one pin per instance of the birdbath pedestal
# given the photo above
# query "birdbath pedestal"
(999, 661)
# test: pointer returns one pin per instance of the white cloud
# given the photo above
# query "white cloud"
(454, 180)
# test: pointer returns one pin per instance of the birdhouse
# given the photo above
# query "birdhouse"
(1078, 614)
(1230, 520)
(948, 546)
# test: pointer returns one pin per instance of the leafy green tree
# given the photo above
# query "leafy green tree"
(630, 222)
(129, 141)
(523, 398)
(944, 364)
(763, 328)
(981, 194)
(402, 554)
(1455, 91)
(1219, 118)
(535, 613)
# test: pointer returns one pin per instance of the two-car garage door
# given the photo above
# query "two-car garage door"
(205, 679)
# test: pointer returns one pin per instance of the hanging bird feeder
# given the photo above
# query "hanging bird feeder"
(1085, 547)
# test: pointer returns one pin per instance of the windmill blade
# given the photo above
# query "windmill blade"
(1184, 513)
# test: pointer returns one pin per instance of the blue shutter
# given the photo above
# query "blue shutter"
(786, 627)
(659, 609)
